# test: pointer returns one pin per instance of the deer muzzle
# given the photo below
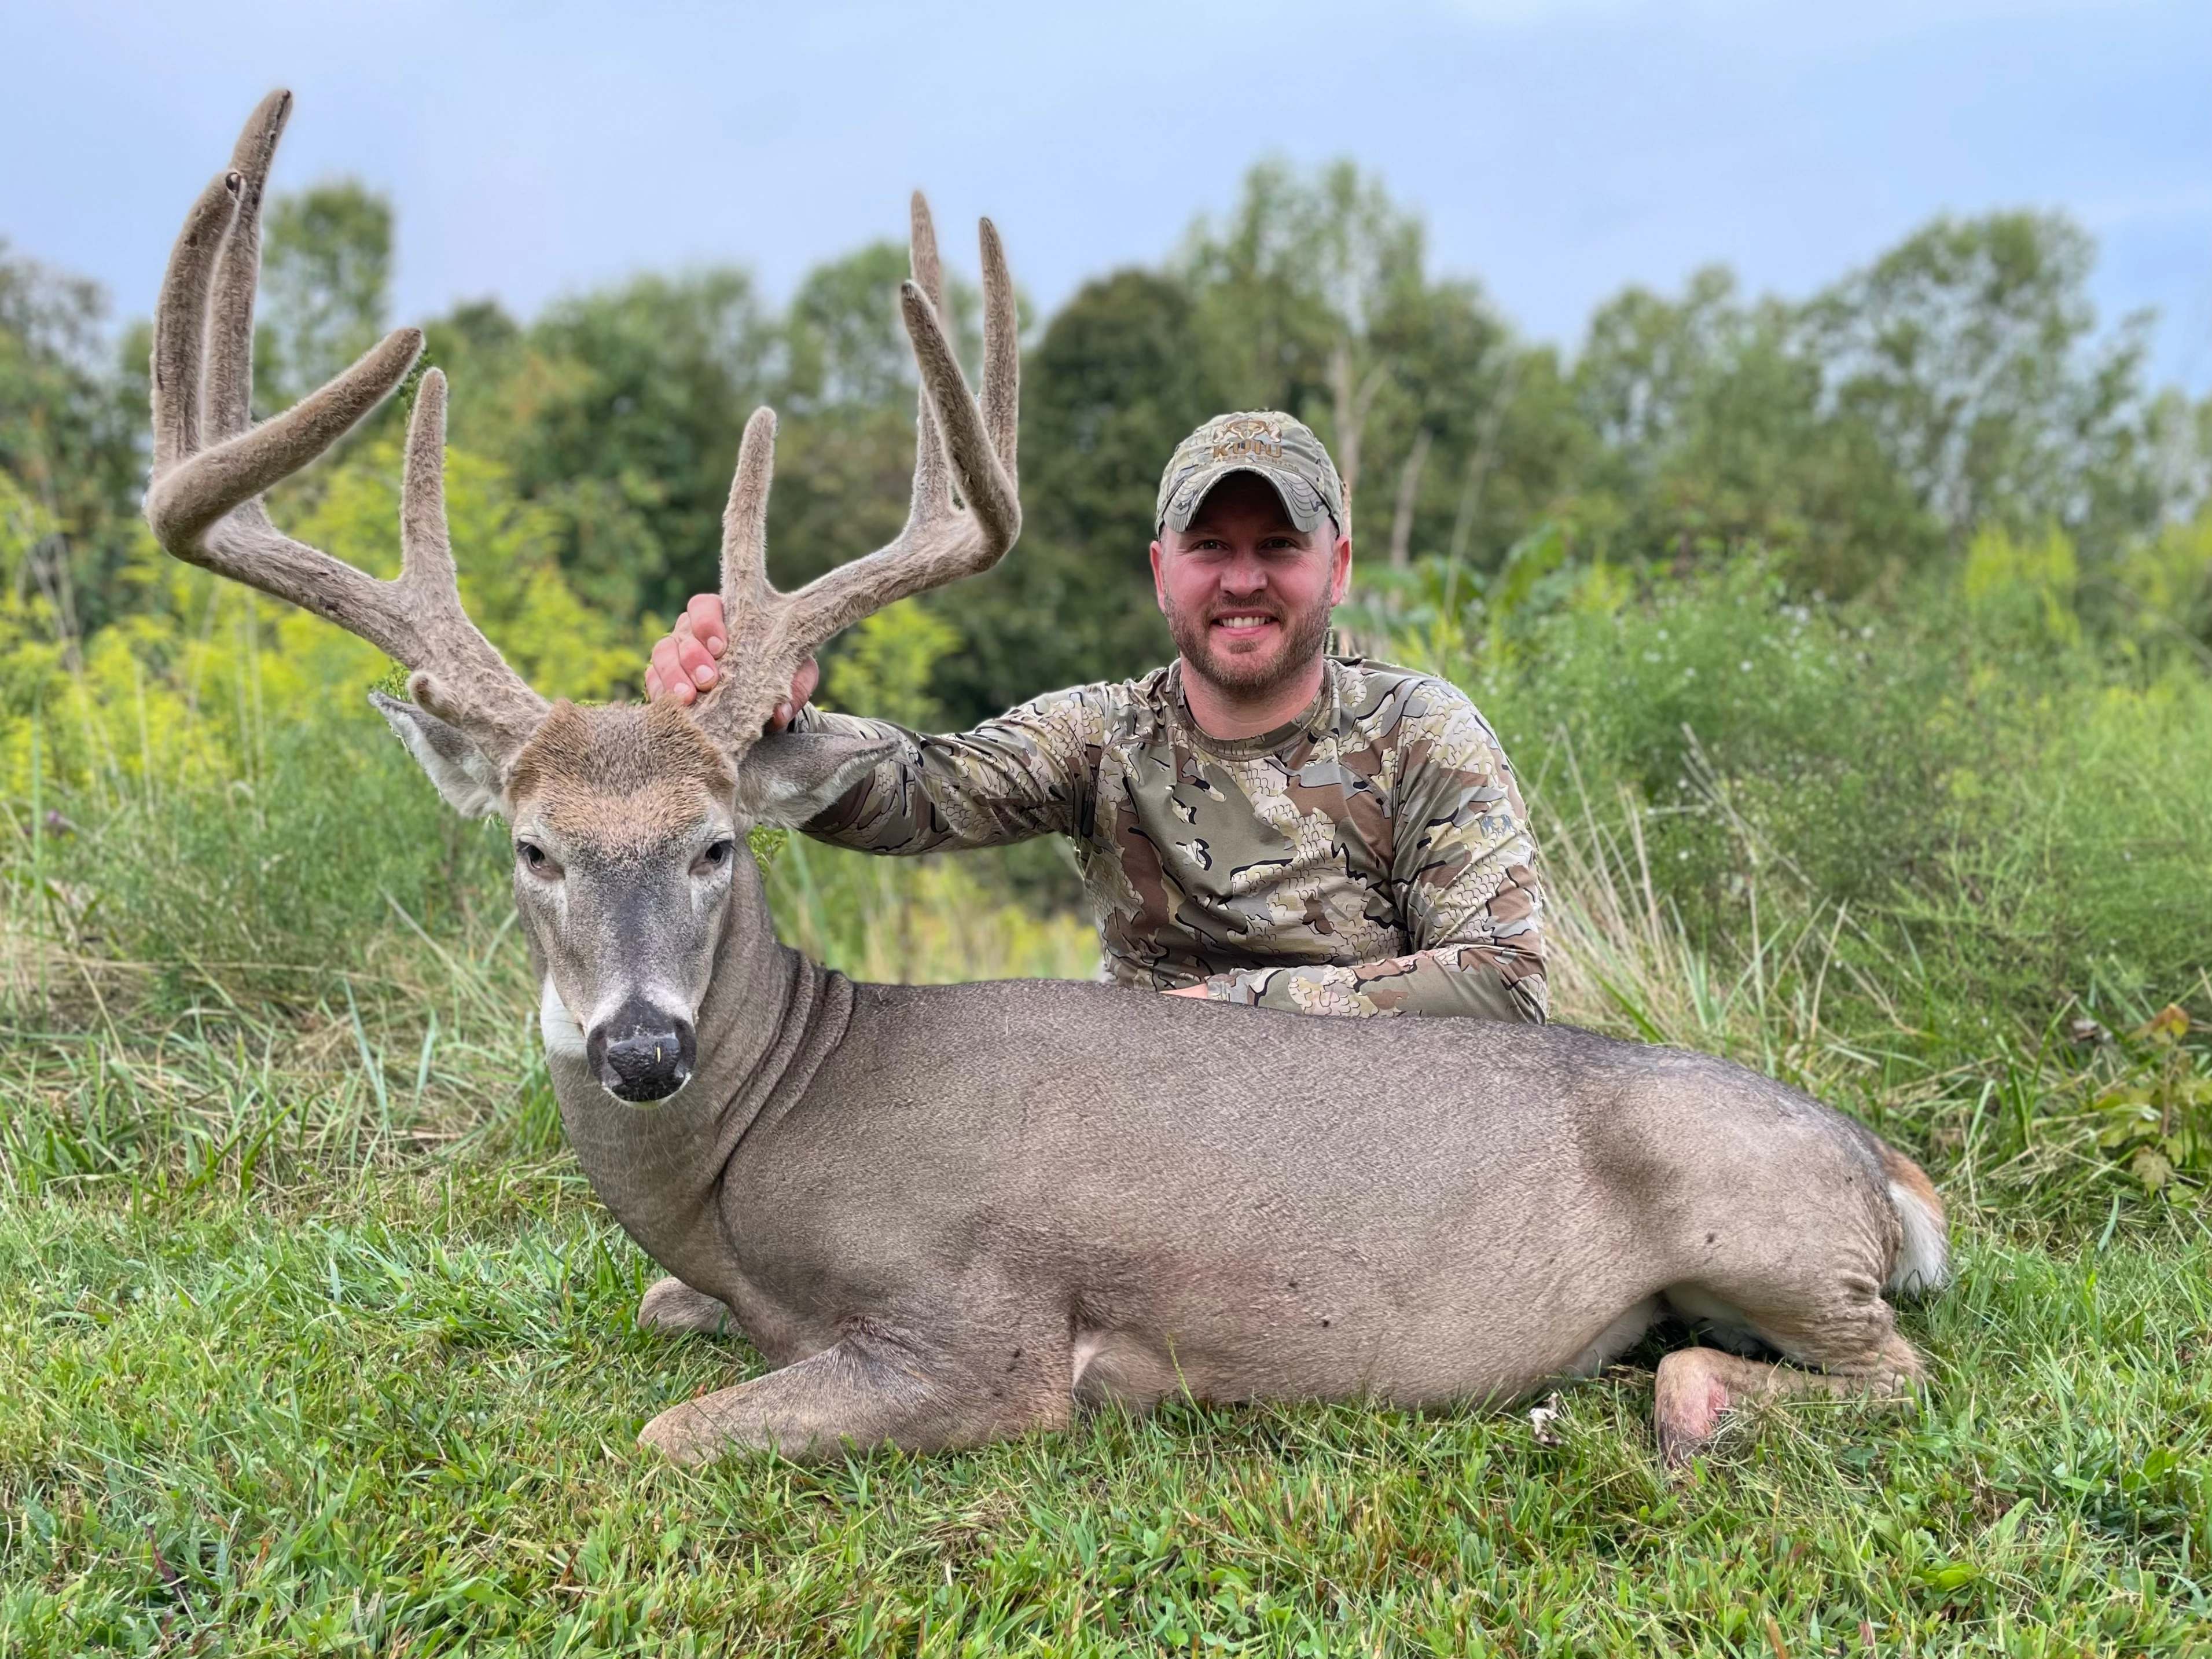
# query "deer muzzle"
(641, 1053)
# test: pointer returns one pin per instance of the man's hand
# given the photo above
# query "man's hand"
(1198, 990)
(684, 663)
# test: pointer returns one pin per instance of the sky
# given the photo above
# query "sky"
(1557, 150)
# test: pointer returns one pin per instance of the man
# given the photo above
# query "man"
(1257, 822)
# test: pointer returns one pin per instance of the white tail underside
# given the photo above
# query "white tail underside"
(1923, 1264)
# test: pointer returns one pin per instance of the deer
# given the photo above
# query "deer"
(947, 1215)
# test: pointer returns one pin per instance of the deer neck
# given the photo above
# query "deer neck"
(769, 1019)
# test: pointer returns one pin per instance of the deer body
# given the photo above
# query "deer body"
(901, 1180)
(947, 1212)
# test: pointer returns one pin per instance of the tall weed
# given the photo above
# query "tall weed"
(2026, 817)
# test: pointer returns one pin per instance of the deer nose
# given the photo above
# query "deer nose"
(641, 1053)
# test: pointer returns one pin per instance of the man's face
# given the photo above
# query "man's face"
(1246, 593)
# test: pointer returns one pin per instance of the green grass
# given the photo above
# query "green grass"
(401, 1405)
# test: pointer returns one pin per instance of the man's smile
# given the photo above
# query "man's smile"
(1243, 627)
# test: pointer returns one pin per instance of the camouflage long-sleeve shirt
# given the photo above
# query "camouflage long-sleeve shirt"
(1370, 857)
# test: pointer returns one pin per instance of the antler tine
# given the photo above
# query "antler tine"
(933, 485)
(180, 322)
(983, 483)
(426, 546)
(745, 590)
(228, 408)
(922, 261)
(1002, 349)
(204, 504)
(459, 675)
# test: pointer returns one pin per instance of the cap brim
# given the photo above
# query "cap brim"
(1302, 503)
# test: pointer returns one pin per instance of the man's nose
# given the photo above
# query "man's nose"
(641, 1052)
(1243, 577)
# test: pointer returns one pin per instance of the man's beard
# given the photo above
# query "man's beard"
(1250, 677)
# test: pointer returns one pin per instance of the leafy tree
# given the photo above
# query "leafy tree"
(1312, 297)
(632, 401)
(326, 287)
(1970, 352)
(483, 351)
(1290, 288)
(71, 445)
(1959, 384)
(845, 343)
(1712, 433)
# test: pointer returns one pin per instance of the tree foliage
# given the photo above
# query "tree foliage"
(1958, 383)
(326, 287)
(71, 438)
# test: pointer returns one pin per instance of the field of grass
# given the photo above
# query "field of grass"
(313, 1338)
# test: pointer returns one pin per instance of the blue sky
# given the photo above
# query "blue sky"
(1558, 148)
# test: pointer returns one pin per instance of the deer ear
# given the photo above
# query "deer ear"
(791, 778)
(464, 775)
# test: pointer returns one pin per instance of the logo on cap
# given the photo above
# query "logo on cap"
(1248, 440)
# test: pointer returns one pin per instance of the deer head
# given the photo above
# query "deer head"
(628, 821)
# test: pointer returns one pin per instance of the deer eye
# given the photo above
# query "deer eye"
(534, 856)
(716, 855)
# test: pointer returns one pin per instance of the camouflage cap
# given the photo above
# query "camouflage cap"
(1266, 442)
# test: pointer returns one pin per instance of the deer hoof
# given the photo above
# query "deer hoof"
(1688, 1403)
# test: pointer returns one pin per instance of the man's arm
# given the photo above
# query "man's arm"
(1024, 774)
(1464, 873)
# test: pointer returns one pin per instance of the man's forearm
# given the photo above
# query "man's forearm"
(1006, 781)
(886, 811)
(1476, 981)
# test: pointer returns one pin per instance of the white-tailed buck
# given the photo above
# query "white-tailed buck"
(946, 1213)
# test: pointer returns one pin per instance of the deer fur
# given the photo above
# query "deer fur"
(948, 1213)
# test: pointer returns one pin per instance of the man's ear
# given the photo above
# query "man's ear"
(791, 778)
(1340, 564)
(464, 775)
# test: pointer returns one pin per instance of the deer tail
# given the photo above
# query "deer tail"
(1923, 1265)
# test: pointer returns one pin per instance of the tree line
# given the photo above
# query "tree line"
(1961, 381)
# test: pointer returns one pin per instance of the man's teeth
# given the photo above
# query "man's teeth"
(1242, 621)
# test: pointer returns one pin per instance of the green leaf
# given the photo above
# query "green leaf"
(2151, 1168)
(766, 841)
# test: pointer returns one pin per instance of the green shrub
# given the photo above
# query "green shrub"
(2024, 817)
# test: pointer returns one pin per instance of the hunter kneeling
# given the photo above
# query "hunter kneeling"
(1257, 822)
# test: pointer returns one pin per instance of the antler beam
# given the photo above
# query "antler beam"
(211, 464)
(958, 445)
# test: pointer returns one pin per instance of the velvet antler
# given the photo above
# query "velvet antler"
(958, 446)
(212, 464)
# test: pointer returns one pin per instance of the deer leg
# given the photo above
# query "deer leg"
(865, 1392)
(1698, 1386)
(670, 1305)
